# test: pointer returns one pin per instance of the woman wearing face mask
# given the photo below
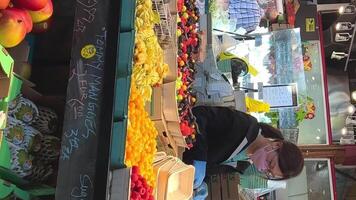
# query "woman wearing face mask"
(233, 141)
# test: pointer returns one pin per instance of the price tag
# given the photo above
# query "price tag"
(88, 51)
(310, 25)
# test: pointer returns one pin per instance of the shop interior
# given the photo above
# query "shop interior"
(96, 97)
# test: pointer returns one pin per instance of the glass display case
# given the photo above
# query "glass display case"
(313, 183)
(281, 58)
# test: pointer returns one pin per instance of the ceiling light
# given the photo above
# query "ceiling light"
(351, 109)
(343, 131)
(353, 95)
(349, 9)
(344, 26)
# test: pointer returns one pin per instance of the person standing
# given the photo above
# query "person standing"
(230, 141)
(247, 14)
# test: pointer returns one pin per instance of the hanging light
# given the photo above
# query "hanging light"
(344, 131)
(353, 95)
(338, 55)
(342, 37)
(349, 9)
(351, 109)
(344, 26)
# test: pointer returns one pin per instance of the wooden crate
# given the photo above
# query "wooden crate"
(223, 187)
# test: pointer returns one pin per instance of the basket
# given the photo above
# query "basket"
(174, 179)
(159, 156)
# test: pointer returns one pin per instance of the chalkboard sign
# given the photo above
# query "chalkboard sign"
(81, 130)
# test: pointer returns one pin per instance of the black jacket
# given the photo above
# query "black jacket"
(221, 131)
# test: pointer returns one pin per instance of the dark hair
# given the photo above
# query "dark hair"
(269, 131)
(290, 158)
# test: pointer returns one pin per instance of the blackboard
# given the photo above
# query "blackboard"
(81, 129)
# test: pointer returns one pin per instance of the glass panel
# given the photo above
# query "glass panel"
(312, 184)
(278, 58)
(318, 179)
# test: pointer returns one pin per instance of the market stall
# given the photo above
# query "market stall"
(106, 112)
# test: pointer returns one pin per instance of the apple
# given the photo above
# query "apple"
(23, 14)
(4, 4)
(30, 4)
(13, 29)
(43, 14)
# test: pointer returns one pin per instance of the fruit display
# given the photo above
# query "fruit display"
(148, 71)
(149, 67)
(140, 190)
(188, 46)
(141, 136)
(33, 153)
(18, 17)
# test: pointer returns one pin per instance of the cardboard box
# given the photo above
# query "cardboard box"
(169, 102)
(6, 67)
(173, 6)
(154, 108)
(170, 57)
(165, 141)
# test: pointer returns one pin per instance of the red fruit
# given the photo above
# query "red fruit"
(135, 170)
(134, 177)
(12, 29)
(23, 14)
(142, 191)
(135, 195)
(138, 184)
(4, 4)
(30, 4)
(42, 14)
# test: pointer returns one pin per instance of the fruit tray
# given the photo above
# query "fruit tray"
(174, 179)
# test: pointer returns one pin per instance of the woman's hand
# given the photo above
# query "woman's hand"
(200, 170)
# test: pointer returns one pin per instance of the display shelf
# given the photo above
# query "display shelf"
(127, 22)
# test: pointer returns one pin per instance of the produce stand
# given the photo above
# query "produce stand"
(112, 88)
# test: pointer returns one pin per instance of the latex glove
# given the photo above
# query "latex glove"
(201, 193)
(200, 169)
